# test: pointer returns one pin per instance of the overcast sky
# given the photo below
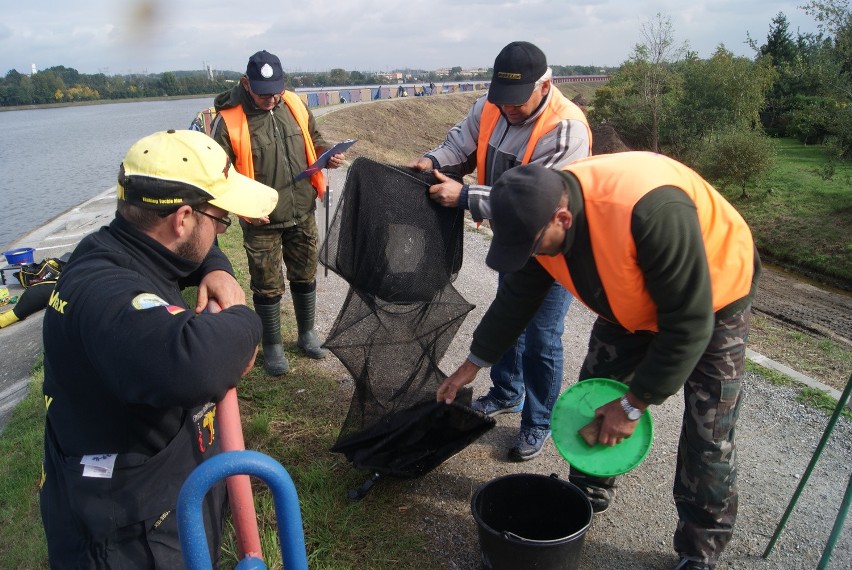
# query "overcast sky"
(152, 36)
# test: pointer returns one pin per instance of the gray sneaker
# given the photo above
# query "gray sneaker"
(529, 444)
(491, 407)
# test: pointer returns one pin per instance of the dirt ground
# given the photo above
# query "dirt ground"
(806, 306)
(803, 325)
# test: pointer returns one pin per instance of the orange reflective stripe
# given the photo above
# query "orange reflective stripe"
(235, 120)
(300, 113)
(487, 123)
(558, 269)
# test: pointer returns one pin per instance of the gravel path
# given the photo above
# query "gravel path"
(776, 437)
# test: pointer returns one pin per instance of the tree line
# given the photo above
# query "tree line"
(62, 84)
(716, 114)
(339, 76)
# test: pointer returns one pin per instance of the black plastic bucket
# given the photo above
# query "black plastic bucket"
(531, 521)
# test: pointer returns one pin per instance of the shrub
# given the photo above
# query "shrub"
(738, 158)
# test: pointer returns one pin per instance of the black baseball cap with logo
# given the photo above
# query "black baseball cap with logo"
(517, 67)
(265, 74)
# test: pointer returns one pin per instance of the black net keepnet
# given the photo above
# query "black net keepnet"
(400, 253)
(388, 240)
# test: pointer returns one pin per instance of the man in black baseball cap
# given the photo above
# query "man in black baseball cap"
(281, 247)
(517, 68)
(522, 120)
(523, 202)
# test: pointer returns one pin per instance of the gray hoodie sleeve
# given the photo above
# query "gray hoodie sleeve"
(458, 151)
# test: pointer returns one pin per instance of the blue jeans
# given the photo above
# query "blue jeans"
(533, 365)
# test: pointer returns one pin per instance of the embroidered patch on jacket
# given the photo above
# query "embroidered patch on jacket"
(205, 427)
(150, 300)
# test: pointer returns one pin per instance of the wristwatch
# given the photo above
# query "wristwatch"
(633, 414)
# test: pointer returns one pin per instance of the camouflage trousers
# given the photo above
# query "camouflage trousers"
(705, 484)
(267, 248)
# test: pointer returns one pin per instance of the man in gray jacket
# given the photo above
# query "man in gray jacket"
(522, 120)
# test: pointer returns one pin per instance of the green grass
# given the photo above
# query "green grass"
(773, 377)
(800, 219)
(820, 400)
(22, 542)
(811, 397)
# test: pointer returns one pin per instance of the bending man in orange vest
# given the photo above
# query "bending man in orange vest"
(271, 136)
(670, 268)
(523, 120)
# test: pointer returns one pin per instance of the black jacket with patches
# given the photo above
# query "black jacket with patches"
(121, 379)
(130, 370)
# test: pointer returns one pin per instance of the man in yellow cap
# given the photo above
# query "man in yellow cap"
(131, 373)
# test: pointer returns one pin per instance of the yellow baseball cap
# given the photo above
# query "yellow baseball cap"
(168, 169)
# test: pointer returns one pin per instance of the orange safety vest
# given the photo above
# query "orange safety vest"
(611, 186)
(558, 109)
(235, 119)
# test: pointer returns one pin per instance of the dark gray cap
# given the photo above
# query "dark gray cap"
(265, 74)
(522, 201)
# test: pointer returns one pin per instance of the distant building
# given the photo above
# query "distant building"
(465, 71)
(34, 71)
(393, 76)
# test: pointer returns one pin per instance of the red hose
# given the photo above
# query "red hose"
(239, 486)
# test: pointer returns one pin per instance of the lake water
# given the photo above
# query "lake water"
(55, 159)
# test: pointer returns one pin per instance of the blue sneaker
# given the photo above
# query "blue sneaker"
(492, 407)
(529, 444)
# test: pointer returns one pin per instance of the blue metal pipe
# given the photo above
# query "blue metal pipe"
(193, 539)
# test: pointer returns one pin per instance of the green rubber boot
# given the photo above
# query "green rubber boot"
(274, 360)
(304, 305)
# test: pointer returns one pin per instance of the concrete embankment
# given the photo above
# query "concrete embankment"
(21, 342)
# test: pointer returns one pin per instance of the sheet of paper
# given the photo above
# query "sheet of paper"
(322, 160)
(99, 466)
